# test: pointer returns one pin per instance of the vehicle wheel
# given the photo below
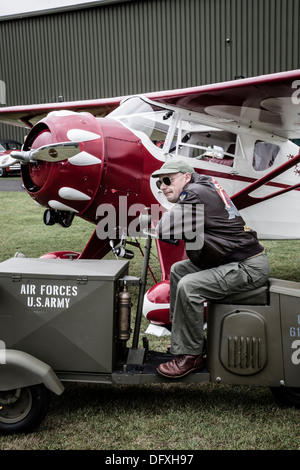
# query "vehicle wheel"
(23, 409)
(3, 172)
(287, 395)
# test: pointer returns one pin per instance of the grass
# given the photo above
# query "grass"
(149, 417)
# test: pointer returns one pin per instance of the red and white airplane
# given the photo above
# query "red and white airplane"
(80, 155)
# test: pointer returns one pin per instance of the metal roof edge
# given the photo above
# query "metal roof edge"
(51, 11)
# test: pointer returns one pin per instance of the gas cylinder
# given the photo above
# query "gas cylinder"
(124, 314)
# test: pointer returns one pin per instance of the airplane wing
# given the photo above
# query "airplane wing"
(268, 102)
(29, 115)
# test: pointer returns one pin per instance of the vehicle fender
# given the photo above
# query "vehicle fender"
(19, 369)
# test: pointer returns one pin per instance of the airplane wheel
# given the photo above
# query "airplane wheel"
(23, 409)
(287, 395)
(3, 172)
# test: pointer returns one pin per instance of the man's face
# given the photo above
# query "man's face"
(178, 181)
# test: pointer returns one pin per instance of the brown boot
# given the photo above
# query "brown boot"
(180, 366)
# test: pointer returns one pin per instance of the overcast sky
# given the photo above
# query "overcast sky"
(13, 7)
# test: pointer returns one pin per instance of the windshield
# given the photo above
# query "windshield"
(144, 117)
(4, 146)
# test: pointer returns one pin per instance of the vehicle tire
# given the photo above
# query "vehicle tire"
(3, 172)
(23, 409)
(287, 395)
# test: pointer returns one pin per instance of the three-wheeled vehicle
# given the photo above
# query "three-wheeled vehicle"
(69, 320)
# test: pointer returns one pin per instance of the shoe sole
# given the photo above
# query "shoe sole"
(179, 376)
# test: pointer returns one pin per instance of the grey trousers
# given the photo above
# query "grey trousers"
(190, 287)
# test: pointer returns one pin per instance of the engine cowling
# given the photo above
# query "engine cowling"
(68, 185)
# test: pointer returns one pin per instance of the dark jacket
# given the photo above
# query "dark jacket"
(225, 236)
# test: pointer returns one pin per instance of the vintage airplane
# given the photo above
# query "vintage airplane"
(81, 157)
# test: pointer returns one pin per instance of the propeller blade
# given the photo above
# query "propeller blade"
(57, 152)
(49, 153)
(7, 160)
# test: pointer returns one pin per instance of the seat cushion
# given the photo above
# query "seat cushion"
(259, 296)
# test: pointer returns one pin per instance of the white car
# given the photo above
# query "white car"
(6, 146)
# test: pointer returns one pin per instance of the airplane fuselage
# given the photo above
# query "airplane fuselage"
(123, 149)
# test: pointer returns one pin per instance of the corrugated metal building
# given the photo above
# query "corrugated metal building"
(113, 48)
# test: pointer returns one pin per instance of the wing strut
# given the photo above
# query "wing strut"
(242, 199)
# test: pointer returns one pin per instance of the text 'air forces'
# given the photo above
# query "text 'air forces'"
(48, 295)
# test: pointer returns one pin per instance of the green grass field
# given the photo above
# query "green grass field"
(149, 417)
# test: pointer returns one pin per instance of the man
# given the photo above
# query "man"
(229, 259)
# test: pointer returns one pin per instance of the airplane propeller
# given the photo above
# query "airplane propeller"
(47, 153)
(7, 160)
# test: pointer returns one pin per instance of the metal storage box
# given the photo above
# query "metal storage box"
(61, 311)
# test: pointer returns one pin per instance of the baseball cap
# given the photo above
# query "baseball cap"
(173, 166)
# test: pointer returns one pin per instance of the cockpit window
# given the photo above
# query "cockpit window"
(205, 143)
(166, 129)
(144, 117)
(264, 155)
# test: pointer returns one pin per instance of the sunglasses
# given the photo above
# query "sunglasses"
(166, 180)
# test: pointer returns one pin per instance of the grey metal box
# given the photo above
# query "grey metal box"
(289, 294)
(61, 311)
